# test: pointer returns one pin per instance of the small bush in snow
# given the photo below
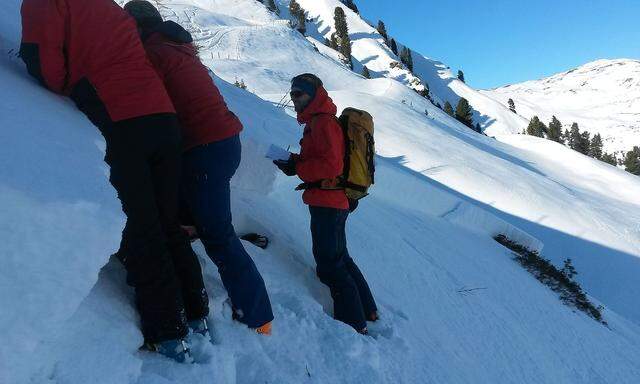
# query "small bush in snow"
(240, 84)
(560, 281)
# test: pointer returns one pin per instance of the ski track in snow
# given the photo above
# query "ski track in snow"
(455, 307)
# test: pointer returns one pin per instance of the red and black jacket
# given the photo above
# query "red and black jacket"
(322, 152)
(202, 111)
(91, 51)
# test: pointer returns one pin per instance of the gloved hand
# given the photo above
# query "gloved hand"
(288, 167)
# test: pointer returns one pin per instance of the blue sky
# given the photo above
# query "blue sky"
(498, 42)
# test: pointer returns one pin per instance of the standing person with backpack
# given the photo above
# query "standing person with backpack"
(321, 166)
(90, 51)
(212, 151)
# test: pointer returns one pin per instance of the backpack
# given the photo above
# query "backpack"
(359, 166)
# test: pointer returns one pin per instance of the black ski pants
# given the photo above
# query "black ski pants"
(144, 154)
(353, 302)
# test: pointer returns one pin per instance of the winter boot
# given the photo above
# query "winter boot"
(176, 349)
(256, 239)
(264, 329)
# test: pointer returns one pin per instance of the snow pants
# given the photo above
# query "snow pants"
(353, 302)
(145, 158)
(207, 172)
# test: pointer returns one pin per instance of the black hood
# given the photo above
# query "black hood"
(172, 31)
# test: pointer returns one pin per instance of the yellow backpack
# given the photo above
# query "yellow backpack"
(359, 154)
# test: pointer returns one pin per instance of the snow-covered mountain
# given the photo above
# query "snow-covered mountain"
(455, 307)
(368, 48)
(602, 97)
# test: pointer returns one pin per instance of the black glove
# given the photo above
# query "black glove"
(288, 167)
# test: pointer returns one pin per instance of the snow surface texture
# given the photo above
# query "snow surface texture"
(602, 97)
(423, 238)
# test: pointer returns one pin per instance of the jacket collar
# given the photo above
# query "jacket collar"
(321, 104)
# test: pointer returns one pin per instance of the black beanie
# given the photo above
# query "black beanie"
(307, 83)
(145, 14)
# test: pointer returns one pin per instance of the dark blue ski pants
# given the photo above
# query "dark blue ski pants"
(353, 302)
(207, 172)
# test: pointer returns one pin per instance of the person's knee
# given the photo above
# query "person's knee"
(231, 258)
(332, 275)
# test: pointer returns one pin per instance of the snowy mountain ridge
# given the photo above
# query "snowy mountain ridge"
(602, 97)
(455, 307)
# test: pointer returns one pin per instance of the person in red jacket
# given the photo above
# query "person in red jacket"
(322, 158)
(90, 51)
(212, 152)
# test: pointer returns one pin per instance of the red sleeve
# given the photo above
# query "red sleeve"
(322, 152)
(42, 48)
(158, 60)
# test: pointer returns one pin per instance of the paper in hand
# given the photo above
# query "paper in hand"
(277, 153)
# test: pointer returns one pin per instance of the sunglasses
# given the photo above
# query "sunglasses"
(296, 94)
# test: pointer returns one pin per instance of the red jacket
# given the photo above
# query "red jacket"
(322, 151)
(202, 111)
(91, 51)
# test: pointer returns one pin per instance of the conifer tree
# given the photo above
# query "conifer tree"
(342, 35)
(565, 137)
(461, 76)
(512, 105)
(448, 109)
(535, 127)
(477, 128)
(271, 5)
(298, 14)
(424, 92)
(407, 58)
(333, 42)
(609, 158)
(382, 30)
(365, 72)
(464, 113)
(632, 161)
(555, 130)
(595, 147)
(585, 141)
(574, 137)
(393, 46)
(351, 5)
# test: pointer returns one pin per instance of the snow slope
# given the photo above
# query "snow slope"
(423, 239)
(602, 97)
